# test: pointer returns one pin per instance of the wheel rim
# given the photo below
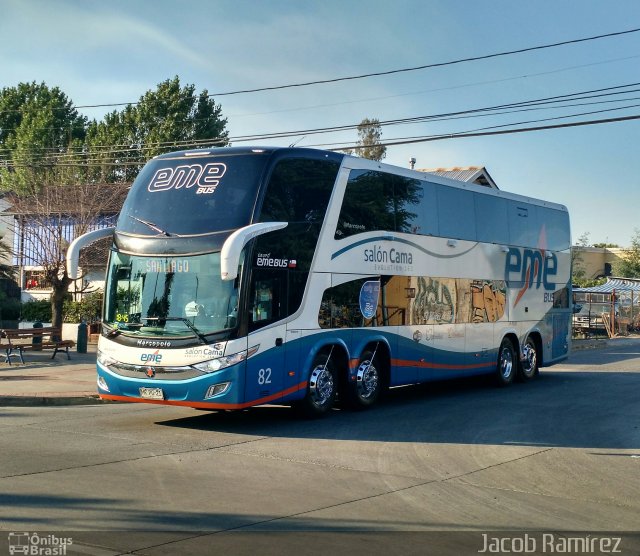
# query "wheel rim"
(530, 362)
(506, 363)
(367, 379)
(321, 386)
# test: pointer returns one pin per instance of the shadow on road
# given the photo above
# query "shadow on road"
(564, 409)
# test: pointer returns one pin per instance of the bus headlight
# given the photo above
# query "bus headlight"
(102, 384)
(219, 363)
(105, 360)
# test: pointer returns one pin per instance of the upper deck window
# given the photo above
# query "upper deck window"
(299, 190)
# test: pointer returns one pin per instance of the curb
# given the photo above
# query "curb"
(52, 400)
(580, 345)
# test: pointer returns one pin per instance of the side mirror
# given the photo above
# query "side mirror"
(230, 253)
(73, 252)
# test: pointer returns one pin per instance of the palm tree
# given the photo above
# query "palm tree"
(6, 270)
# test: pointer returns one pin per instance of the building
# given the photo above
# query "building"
(40, 228)
(470, 174)
(597, 262)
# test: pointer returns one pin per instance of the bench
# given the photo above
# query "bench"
(14, 342)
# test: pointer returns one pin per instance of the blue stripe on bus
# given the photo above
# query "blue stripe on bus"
(400, 240)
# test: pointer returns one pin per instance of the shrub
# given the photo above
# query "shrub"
(88, 310)
(39, 310)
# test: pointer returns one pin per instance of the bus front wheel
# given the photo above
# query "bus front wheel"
(365, 390)
(322, 387)
(507, 363)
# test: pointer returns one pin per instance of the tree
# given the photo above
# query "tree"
(57, 165)
(170, 118)
(37, 125)
(6, 270)
(49, 219)
(629, 264)
(9, 290)
(369, 144)
(578, 271)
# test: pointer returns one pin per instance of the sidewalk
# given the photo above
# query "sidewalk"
(45, 381)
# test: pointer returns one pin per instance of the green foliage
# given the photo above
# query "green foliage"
(169, 118)
(39, 310)
(88, 310)
(606, 245)
(37, 123)
(46, 141)
(589, 283)
(578, 271)
(369, 140)
(629, 264)
(9, 293)
(6, 270)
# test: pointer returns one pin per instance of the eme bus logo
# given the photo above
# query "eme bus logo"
(534, 267)
(206, 177)
(155, 357)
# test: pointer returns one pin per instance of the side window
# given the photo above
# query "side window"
(557, 228)
(386, 202)
(492, 223)
(523, 230)
(456, 213)
(416, 210)
(368, 204)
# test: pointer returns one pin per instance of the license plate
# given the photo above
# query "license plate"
(152, 393)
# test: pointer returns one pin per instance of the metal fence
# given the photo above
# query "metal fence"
(606, 314)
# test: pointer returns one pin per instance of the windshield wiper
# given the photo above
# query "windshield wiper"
(153, 227)
(186, 322)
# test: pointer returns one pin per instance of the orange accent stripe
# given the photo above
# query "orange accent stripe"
(526, 286)
(427, 365)
(208, 405)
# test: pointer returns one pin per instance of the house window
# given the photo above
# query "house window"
(36, 280)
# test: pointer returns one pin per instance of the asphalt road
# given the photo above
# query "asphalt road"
(561, 453)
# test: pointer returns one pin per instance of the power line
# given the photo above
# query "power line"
(501, 132)
(458, 135)
(91, 153)
(388, 72)
(436, 90)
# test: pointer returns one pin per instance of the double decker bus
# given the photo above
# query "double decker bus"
(245, 276)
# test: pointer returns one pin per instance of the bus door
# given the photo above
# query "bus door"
(266, 296)
(275, 367)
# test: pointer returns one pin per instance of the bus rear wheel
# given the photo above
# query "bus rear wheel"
(322, 388)
(365, 390)
(528, 368)
(507, 363)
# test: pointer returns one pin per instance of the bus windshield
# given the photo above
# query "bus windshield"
(168, 296)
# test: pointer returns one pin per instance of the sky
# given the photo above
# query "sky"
(100, 52)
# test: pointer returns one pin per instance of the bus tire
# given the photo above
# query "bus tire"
(528, 367)
(507, 363)
(365, 390)
(322, 388)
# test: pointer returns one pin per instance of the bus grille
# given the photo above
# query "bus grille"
(160, 373)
